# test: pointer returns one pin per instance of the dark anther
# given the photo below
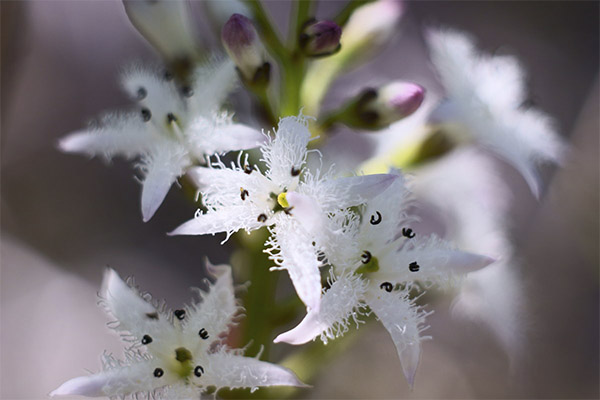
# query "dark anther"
(171, 118)
(248, 169)
(168, 75)
(142, 93)
(203, 334)
(288, 210)
(262, 218)
(187, 91)
(146, 114)
(376, 219)
(244, 193)
(180, 314)
(152, 315)
(198, 371)
(295, 172)
(413, 266)
(387, 286)
(146, 339)
(158, 372)
(366, 257)
(408, 233)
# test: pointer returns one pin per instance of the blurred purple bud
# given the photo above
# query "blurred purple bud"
(320, 38)
(402, 98)
(242, 43)
(374, 109)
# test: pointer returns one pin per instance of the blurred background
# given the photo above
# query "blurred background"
(64, 218)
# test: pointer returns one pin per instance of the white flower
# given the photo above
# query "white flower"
(288, 197)
(174, 128)
(388, 260)
(174, 354)
(485, 96)
(474, 203)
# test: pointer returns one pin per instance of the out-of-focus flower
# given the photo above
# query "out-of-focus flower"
(174, 354)
(288, 197)
(375, 109)
(485, 104)
(174, 128)
(388, 260)
(166, 24)
(242, 43)
(366, 32)
(320, 38)
(474, 201)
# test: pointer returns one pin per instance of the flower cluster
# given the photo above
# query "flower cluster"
(355, 229)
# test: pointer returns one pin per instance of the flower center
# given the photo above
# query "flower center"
(282, 200)
(369, 263)
(185, 367)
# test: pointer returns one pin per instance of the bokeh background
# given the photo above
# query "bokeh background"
(64, 218)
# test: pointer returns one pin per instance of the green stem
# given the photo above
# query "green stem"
(269, 35)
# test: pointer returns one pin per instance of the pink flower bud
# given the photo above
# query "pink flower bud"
(376, 108)
(242, 43)
(320, 38)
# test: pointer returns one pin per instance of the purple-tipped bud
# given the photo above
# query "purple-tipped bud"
(401, 99)
(377, 108)
(242, 43)
(320, 38)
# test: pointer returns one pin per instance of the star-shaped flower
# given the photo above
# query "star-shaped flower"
(486, 98)
(173, 129)
(289, 198)
(174, 354)
(385, 261)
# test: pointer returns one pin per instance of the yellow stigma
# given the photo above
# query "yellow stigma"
(282, 200)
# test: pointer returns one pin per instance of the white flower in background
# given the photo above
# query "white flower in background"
(288, 197)
(173, 129)
(485, 103)
(473, 202)
(174, 354)
(166, 24)
(388, 260)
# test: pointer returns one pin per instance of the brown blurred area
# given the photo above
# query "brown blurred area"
(64, 217)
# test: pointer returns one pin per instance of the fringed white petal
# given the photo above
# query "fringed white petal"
(404, 321)
(287, 149)
(356, 190)
(340, 305)
(219, 135)
(124, 135)
(228, 220)
(167, 24)
(306, 210)
(290, 247)
(161, 168)
(217, 309)
(225, 369)
(120, 381)
(134, 314)
(487, 93)
(213, 82)
(429, 260)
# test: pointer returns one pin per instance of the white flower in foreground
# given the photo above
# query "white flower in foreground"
(485, 96)
(173, 129)
(388, 261)
(174, 354)
(288, 197)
